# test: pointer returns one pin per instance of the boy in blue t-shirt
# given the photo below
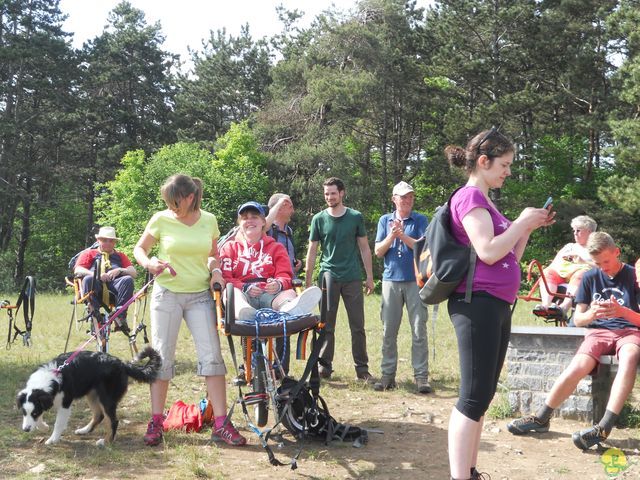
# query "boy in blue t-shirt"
(607, 303)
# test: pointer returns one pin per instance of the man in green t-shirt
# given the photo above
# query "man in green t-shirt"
(341, 234)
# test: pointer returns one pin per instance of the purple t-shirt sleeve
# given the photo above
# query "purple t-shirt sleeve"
(502, 279)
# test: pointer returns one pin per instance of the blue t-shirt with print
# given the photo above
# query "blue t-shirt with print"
(597, 286)
(398, 261)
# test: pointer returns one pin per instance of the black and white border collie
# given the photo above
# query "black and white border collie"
(101, 377)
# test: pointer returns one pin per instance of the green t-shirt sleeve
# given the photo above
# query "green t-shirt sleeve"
(361, 231)
(314, 232)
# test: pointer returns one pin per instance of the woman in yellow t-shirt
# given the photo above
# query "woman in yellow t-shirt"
(186, 238)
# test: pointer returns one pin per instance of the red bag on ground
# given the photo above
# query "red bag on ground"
(189, 418)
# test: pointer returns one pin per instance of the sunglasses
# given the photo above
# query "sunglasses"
(487, 136)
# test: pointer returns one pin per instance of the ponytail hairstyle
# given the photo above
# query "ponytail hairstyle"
(179, 186)
(491, 143)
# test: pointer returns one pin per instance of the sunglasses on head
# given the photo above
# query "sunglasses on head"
(487, 136)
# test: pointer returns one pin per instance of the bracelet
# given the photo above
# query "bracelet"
(216, 270)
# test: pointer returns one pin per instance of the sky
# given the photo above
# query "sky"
(185, 23)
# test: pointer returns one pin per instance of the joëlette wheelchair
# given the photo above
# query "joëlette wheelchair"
(262, 369)
(26, 300)
(98, 322)
(556, 315)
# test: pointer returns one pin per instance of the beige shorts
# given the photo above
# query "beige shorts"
(167, 311)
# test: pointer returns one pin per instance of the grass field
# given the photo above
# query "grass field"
(183, 455)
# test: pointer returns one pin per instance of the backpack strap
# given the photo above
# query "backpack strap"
(472, 268)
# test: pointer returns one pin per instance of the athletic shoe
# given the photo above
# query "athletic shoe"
(423, 385)
(153, 436)
(587, 438)
(303, 303)
(385, 383)
(522, 425)
(325, 373)
(228, 434)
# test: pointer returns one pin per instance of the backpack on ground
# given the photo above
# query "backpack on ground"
(307, 415)
(440, 261)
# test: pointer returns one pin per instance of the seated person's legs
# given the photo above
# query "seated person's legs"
(122, 288)
(89, 285)
(581, 365)
(628, 353)
(553, 280)
(574, 283)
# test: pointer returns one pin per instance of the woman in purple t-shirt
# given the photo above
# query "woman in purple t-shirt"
(483, 326)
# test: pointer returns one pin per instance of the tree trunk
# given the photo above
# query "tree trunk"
(25, 232)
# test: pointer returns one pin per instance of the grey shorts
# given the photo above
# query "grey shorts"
(167, 311)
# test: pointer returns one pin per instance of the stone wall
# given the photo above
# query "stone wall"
(536, 357)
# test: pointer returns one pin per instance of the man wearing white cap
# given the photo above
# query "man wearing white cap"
(115, 270)
(397, 232)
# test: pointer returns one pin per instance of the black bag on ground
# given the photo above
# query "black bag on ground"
(440, 261)
(306, 415)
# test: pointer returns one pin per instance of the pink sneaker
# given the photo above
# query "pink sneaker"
(228, 434)
(153, 436)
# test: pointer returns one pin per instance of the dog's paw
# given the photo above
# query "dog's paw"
(52, 441)
(82, 431)
(100, 443)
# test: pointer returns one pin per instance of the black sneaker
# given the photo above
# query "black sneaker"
(531, 423)
(587, 438)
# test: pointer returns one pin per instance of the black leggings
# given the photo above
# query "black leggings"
(482, 328)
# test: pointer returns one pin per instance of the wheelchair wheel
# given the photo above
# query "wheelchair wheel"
(260, 410)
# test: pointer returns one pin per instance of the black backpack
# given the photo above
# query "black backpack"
(74, 259)
(440, 261)
(306, 415)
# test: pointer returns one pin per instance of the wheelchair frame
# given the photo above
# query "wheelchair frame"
(260, 351)
(557, 318)
(100, 326)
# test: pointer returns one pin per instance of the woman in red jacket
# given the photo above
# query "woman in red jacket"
(260, 269)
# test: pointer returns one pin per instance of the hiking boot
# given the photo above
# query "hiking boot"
(325, 373)
(385, 383)
(153, 436)
(304, 303)
(228, 434)
(365, 378)
(423, 385)
(530, 423)
(587, 438)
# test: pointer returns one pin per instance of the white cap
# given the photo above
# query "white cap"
(402, 188)
(107, 232)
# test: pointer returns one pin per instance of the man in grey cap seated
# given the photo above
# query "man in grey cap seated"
(397, 232)
(115, 271)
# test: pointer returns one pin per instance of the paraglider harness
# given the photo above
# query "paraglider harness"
(27, 297)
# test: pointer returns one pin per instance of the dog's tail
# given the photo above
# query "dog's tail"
(149, 371)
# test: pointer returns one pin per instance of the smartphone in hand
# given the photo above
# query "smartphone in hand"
(548, 203)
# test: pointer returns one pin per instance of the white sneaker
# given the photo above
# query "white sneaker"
(247, 313)
(304, 303)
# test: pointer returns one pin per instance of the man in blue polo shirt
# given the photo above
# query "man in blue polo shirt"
(397, 232)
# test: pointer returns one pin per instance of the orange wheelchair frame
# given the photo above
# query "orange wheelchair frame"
(549, 317)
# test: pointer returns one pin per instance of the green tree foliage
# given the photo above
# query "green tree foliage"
(37, 77)
(231, 176)
(128, 91)
(228, 82)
